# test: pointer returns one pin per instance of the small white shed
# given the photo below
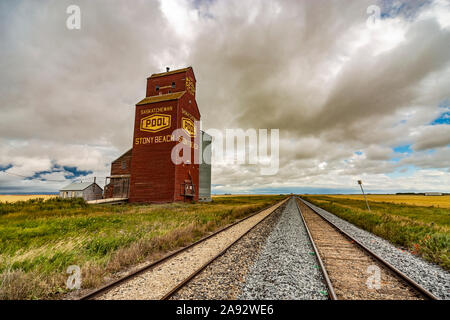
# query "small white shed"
(86, 190)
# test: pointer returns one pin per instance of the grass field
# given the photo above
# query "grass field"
(416, 200)
(421, 230)
(16, 198)
(40, 239)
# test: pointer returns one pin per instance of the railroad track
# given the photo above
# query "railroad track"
(165, 277)
(350, 268)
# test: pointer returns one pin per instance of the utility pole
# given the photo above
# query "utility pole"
(360, 184)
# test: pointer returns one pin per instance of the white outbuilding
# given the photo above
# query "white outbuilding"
(86, 190)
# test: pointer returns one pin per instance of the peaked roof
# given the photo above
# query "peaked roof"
(162, 74)
(160, 98)
(126, 153)
(77, 186)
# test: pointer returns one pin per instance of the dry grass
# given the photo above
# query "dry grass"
(24, 197)
(415, 200)
(40, 239)
(20, 285)
(149, 249)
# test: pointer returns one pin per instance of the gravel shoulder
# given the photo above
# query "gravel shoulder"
(430, 276)
(286, 268)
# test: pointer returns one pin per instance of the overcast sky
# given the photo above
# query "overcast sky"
(352, 100)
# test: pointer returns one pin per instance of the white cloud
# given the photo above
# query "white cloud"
(430, 137)
(440, 10)
(312, 69)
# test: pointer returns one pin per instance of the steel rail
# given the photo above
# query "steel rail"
(397, 272)
(221, 253)
(102, 290)
(331, 293)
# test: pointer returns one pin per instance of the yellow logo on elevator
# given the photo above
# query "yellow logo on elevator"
(156, 122)
(188, 126)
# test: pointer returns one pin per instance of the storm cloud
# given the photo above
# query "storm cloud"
(343, 93)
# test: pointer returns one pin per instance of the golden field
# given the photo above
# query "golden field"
(415, 200)
(24, 197)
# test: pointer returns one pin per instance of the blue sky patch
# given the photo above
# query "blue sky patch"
(404, 171)
(75, 173)
(71, 172)
(403, 149)
(37, 175)
(408, 9)
(444, 118)
(4, 168)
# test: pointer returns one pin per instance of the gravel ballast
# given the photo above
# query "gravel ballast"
(155, 283)
(430, 276)
(222, 279)
(286, 268)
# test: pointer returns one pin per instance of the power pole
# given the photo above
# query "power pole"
(367, 203)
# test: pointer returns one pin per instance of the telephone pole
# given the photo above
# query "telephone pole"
(360, 184)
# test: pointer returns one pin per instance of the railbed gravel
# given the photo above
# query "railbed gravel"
(430, 276)
(155, 283)
(222, 279)
(286, 268)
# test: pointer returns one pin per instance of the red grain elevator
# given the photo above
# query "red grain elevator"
(169, 105)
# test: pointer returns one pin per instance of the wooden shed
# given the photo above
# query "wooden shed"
(86, 190)
(118, 184)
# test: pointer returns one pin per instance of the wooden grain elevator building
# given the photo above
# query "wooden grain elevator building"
(146, 172)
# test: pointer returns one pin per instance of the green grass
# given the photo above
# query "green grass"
(40, 239)
(424, 231)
